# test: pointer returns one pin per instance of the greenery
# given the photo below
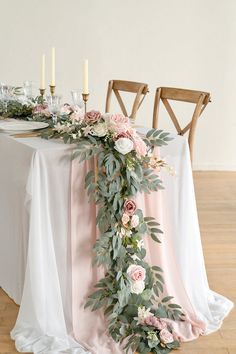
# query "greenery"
(130, 293)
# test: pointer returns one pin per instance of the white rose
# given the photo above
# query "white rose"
(137, 287)
(99, 130)
(106, 117)
(124, 145)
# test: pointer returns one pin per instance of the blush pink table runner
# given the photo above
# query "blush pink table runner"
(90, 328)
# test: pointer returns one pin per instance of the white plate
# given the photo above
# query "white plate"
(14, 125)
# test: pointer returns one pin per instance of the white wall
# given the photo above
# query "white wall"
(180, 43)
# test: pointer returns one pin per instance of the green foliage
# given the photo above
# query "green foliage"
(16, 109)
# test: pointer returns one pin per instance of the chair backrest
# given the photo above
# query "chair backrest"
(116, 86)
(200, 100)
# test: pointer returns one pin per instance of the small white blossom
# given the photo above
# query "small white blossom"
(140, 244)
(135, 258)
(143, 313)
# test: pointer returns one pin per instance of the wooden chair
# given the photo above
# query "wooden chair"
(200, 100)
(116, 86)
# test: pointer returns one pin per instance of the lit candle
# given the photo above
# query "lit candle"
(42, 83)
(85, 76)
(53, 82)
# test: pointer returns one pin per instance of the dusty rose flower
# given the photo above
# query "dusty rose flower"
(92, 117)
(41, 109)
(134, 221)
(136, 272)
(130, 207)
(122, 135)
(66, 109)
(166, 337)
(140, 146)
(118, 123)
(125, 219)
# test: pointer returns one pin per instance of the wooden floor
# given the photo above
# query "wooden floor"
(216, 200)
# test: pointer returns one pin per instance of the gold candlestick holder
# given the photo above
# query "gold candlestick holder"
(52, 89)
(42, 92)
(85, 99)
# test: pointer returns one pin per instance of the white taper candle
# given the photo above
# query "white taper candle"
(42, 81)
(53, 82)
(85, 77)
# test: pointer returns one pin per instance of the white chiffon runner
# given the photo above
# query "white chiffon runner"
(38, 246)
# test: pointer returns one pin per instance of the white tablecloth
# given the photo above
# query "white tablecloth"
(35, 240)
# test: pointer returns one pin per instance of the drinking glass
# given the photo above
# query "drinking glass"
(54, 106)
(77, 98)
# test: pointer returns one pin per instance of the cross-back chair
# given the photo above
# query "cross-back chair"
(118, 86)
(199, 98)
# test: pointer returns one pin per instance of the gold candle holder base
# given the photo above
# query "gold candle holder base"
(42, 92)
(85, 99)
(52, 89)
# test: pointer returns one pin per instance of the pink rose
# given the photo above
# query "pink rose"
(136, 272)
(130, 207)
(41, 109)
(119, 123)
(66, 109)
(92, 117)
(125, 219)
(155, 322)
(134, 221)
(139, 146)
(76, 116)
(166, 337)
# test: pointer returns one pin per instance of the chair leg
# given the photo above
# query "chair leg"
(108, 99)
(156, 108)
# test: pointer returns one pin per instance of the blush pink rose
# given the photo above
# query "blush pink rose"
(92, 117)
(41, 109)
(130, 207)
(136, 272)
(125, 219)
(155, 322)
(139, 146)
(119, 123)
(66, 109)
(166, 337)
(134, 221)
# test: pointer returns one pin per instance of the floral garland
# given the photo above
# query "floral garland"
(130, 292)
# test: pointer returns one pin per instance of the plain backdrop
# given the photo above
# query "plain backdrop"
(179, 43)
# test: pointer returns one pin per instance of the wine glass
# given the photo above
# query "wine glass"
(54, 106)
(28, 89)
(77, 99)
(5, 95)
